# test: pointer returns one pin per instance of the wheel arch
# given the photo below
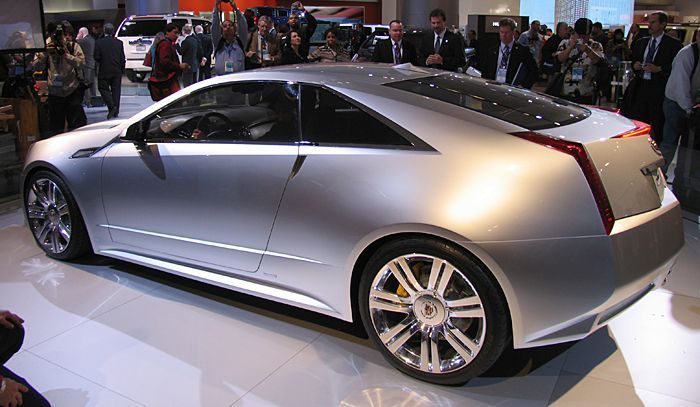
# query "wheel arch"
(363, 258)
(38, 166)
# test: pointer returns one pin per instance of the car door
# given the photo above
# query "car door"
(204, 186)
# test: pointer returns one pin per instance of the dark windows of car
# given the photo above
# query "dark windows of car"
(239, 112)
(329, 119)
(518, 106)
(142, 28)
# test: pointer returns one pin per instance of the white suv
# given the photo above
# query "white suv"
(137, 33)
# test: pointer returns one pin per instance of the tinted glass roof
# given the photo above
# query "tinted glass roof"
(518, 106)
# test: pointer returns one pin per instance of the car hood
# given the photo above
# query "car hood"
(92, 135)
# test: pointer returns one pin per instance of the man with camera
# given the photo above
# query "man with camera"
(307, 31)
(228, 38)
(65, 77)
(579, 57)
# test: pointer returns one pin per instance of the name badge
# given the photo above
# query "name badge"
(647, 75)
(228, 66)
(501, 75)
(577, 73)
(265, 55)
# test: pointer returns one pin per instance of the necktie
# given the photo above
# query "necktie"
(397, 53)
(650, 55)
(504, 57)
(437, 45)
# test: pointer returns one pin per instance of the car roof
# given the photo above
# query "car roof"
(349, 75)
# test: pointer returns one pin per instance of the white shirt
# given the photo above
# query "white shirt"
(658, 41)
(441, 35)
(678, 87)
(393, 47)
(502, 48)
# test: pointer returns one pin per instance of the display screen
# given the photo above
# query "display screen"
(20, 26)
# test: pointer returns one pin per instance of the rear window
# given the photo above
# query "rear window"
(141, 28)
(520, 107)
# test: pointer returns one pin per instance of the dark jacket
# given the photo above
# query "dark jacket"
(167, 63)
(520, 57)
(192, 52)
(550, 63)
(207, 46)
(667, 49)
(306, 33)
(451, 51)
(109, 55)
(384, 53)
(289, 57)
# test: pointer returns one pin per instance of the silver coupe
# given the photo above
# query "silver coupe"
(452, 216)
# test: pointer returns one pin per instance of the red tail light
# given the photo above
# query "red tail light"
(641, 129)
(578, 152)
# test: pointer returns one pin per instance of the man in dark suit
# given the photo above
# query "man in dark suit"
(192, 54)
(511, 62)
(652, 60)
(632, 36)
(109, 55)
(207, 50)
(443, 49)
(395, 50)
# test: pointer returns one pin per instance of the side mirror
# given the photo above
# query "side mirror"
(136, 132)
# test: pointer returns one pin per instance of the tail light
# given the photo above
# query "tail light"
(578, 152)
(640, 129)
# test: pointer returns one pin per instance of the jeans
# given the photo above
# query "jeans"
(674, 118)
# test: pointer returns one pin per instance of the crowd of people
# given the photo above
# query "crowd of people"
(580, 63)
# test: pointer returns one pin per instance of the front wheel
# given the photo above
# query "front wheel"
(433, 312)
(54, 218)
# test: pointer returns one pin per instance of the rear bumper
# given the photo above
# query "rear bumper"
(560, 290)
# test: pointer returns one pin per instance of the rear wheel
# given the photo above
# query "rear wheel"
(136, 76)
(54, 218)
(433, 312)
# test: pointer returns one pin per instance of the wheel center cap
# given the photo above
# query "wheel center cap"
(429, 310)
(54, 217)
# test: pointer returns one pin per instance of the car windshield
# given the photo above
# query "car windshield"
(518, 106)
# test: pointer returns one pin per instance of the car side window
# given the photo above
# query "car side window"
(330, 119)
(239, 112)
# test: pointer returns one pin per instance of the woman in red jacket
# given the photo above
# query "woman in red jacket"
(167, 67)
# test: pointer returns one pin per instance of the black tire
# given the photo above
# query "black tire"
(135, 76)
(430, 318)
(54, 218)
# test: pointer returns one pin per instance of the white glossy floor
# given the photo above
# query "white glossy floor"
(105, 333)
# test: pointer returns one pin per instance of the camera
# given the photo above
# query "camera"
(57, 40)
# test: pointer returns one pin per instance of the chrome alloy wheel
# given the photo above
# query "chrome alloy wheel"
(49, 215)
(427, 313)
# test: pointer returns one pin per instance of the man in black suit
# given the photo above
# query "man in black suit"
(511, 62)
(192, 54)
(652, 60)
(109, 55)
(395, 50)
(632, 36)
(443, 49)
(207, 50)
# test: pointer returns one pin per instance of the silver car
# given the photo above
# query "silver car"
(452, 216)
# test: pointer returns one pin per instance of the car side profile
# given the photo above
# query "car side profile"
(449, 215)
